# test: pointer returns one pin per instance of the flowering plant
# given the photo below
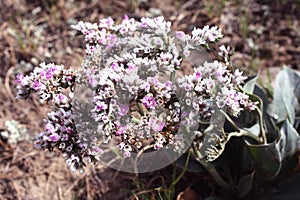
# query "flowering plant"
(133, 92)
(131, 100)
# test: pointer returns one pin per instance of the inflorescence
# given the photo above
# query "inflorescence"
(130, 102)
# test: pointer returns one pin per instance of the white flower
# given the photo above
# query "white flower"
(205, 35)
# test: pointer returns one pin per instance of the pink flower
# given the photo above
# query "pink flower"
(125, 18)
(43, 74)
(115, 67)
(126, 154)
(92, 81)
(53, 68)
(186, 52)
(69, 130)
(110, 40)
(131, 67)
(154, 81)
(20, 78)
(187, 86)
(144, 24)
(121, 130)
(109, 21)
(169, 85)
(121, 145)
(37, 85)
(158, 146)
(54, 137)
(69, 78)
(212, 37)
(49, 74)
(105, 118)
(156, 125)
(149, 101)
(97, 149)
(49, 128)
(61, 97)
(101, 106)
(146, 86)
(198, 75)
(180, 34)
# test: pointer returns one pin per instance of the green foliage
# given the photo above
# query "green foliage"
(266, 146)
(285, 104)
(245, 184)
(267, 159)
(250, 84)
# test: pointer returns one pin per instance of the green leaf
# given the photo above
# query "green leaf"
(286, 96)
(270, 128)
(289, 147)
(250, 84)
(255, 129)
(289, 142)
(267, 159)
(260, 92)
(246, 119)
(272, 157)
(245, 184)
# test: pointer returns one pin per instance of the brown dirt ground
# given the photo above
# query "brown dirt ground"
(265, 34)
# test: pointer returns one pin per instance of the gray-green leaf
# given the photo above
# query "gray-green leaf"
(250, 84)
(286, 95)
(245, 184)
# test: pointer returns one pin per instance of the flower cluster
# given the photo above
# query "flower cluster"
(152, 115)
(106, 33)
(48, 80)
(51, 81)
(199, 37)
(136, 101)
(213, 86)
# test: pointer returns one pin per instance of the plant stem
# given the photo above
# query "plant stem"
(261, 126)
(175, 181)
(212, 171)
(183, 171)
(246, 134)
(240, 131)
(172, 76)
